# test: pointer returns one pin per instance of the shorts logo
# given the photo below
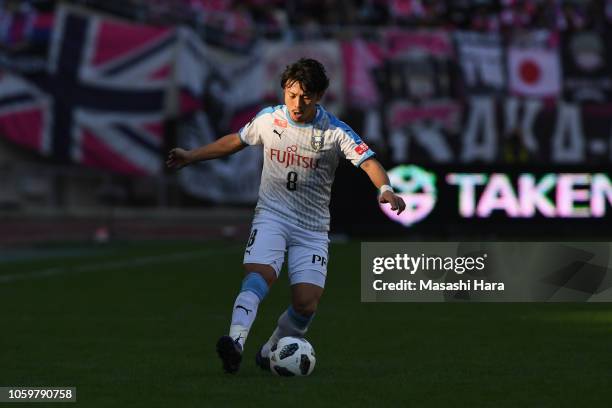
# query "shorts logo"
(362, 148)
(318, 259)
(317, 141)
(280, 122)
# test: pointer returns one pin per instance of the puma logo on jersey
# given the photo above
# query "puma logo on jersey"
(279, 134)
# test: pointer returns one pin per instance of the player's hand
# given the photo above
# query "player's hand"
(178, 158)
(397, 202)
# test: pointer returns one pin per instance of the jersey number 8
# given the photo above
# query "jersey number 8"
(292, 181)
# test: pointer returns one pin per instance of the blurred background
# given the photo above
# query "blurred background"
(493, 117)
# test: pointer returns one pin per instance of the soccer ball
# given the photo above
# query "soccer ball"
(292, 356)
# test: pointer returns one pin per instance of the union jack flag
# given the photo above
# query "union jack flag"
(102, 101)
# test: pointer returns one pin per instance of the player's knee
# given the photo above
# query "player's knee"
(305, 306)
(305, 298)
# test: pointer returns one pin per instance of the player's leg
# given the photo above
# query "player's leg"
(307, 274)
(263, 260)
(255, 285)
(296, 320)
(258, 278)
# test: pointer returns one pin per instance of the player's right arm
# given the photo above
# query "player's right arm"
(221, 147)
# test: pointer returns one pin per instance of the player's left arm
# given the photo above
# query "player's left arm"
(379, 178)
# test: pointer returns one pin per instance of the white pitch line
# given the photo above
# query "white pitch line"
(44, 273)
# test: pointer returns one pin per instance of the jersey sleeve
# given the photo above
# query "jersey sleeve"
(250, 134)
(351, 145)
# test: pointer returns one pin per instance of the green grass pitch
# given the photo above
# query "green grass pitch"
(135, 325)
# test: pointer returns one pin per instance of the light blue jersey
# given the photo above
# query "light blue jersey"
(300, 162)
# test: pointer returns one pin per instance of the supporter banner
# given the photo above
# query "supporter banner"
(416, 104)
(190, 72)
(587, 68)
(481, 59)
(400, 91)
(231, 30)
(25, 113)
(215, 79)
(233, 180)
(415, 79)
(105, 90)
(534, 69)
(508, 131)
(410, 107)
(360, 58)
(24, 39)
(220, 92)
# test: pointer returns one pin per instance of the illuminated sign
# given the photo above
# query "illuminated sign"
(564, 195)
(480, 195)
(418, 189)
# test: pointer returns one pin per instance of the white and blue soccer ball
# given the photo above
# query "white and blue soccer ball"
(292, 356)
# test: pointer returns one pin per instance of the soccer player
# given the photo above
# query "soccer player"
(302, 143)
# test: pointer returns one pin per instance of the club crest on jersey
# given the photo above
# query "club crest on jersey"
(317, 141)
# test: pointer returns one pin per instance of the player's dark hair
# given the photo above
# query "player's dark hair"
(309, 73)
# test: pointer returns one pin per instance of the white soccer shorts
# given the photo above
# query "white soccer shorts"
(307, 251)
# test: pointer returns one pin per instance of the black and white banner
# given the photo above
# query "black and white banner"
(587, 66)
(481, 58)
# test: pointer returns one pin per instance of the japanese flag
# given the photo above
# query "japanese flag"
(534, 72)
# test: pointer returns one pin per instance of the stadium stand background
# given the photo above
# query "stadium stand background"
(45, 196)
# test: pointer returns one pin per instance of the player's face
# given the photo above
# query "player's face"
(302, 106)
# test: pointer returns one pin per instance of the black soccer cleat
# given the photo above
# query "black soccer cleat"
(261, 361)
(230, 353)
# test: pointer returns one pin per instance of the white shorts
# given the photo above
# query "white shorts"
(271, 236)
